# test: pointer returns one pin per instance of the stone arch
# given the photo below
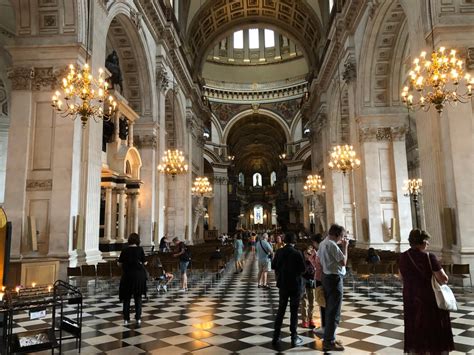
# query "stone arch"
(386, 34)
(281, 122)
(126, 37)
(215, 122)
(295, 19)
(304, 153)
(134, 161)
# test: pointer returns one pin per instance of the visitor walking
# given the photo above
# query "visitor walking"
(184, 258)
(238, 252)
(133, 280)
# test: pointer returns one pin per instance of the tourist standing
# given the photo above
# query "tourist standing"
(316, 240)
(184, 258)
(238, 252)
(133, 280)
(333, 260)
(288, 264)
(427, 328)
(264, 257)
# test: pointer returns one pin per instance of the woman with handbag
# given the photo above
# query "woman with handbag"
(427, 327)
(133, 280)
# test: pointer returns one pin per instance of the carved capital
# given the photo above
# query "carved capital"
(39, 185)
(21, 78)
(162, 79)
(470, 59)
(350, 73)
(29, 78)
(221, 180)
(146, 141)
(378, 134)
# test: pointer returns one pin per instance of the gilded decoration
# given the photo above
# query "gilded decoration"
(39, 185)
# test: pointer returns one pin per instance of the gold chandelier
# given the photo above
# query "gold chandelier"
(343, 159)
(436, 81)
(413, 187)
(173, 163)
(84, 96)
(202, 187)
(314, 184)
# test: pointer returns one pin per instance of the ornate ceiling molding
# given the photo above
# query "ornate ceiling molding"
(294, 17)
(36, 79)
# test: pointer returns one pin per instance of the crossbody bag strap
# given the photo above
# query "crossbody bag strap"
(429, 261)
(263, 248)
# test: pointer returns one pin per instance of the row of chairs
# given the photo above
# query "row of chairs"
(460, 271)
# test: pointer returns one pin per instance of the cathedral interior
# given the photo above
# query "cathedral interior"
(228, 116)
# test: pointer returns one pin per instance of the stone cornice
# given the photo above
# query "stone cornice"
(36, 78)
(378, 134)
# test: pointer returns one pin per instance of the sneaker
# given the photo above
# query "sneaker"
(268, 287)
(296, 341)
(260, 286)
(319, 331)
(139, 321)
(276, 341)
(336, 346)
(165, 288)
(125, 322)
(182, 290)
(305, 325)
(158, 288)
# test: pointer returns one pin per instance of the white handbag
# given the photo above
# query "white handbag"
(444, 295)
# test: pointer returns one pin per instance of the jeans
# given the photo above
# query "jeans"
(333, 290)
(138, 307)
(307, 305)
(294, 297)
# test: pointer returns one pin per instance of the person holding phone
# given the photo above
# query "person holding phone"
(333, 261)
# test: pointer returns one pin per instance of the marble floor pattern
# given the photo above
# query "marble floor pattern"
(230, 315)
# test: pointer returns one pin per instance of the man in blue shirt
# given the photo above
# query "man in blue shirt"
(333, 261)
(264, 256)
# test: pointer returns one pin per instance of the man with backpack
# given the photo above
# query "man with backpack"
(184, 256)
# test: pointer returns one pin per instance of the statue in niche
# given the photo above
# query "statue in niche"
(123, 128)
(113, 66)
(107, 133)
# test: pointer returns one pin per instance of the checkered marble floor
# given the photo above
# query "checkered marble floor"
(231, 315)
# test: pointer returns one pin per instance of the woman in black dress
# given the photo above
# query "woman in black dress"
(133, 281)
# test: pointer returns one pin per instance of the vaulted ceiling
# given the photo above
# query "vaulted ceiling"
(256, 141)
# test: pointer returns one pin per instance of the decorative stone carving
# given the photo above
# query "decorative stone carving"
(350, 73)
(21, 78)
(388, 199)
(3, 100)
(470, 59)
(39, 185)
(371, 134)
(146, 141)
(221, 180)
(372, 7)
(255, 107)
(25, 78)
(136, 18)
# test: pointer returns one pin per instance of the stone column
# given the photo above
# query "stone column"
(121, 216)
(146, 140)
(220, 207)
(108, 215)
(113, 216)
(130, 134)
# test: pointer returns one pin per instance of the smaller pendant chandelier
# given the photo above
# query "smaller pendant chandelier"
(201, 187)
(84, 96)
(314, 185)
(413, 187)
(173, 163)
(343, 159)
(435, 81)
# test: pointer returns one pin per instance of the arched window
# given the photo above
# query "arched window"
(273, 178)
(258, 214)
(257, 180)
(241, 179)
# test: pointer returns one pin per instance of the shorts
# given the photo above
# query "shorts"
(183, 266)
(264, 265)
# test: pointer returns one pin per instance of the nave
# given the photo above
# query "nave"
(232, 315)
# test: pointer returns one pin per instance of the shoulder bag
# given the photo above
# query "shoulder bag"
(444, 295)
(269, 255)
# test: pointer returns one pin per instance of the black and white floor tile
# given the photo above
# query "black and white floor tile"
(231, 315)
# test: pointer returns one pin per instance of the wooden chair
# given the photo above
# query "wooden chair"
(447, 268)
(463, 272)
(89, 271)
(74, 273)
(104, 272)
(364, 273)
(382, 271)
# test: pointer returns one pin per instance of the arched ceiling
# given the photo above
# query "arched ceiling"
(294, 18)
(256, 141)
